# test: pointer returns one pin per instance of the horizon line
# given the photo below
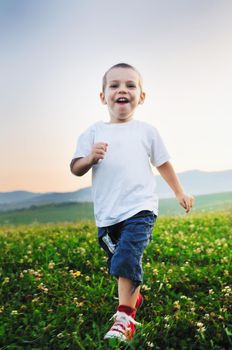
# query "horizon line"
(42, 192)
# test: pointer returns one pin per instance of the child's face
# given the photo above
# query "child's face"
(122, 94)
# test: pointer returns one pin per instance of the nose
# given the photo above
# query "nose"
(122, 89)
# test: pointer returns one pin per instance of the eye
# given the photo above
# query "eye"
(113, 86)
(131, 86)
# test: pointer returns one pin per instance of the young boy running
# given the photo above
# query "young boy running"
(123, 187)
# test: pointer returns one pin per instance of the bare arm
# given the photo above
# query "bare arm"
(167, 172)
(81, 166)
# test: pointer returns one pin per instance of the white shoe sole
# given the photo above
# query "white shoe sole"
(115, 335)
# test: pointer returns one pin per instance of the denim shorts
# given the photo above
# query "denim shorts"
(124, 244)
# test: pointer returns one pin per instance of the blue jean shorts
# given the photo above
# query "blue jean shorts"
(124, 244)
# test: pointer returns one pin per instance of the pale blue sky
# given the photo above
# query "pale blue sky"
(53, 57)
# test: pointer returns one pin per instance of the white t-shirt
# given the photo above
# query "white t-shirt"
(123, 183)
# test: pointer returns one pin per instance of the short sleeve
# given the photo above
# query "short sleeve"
(84, 143)
(159, 153)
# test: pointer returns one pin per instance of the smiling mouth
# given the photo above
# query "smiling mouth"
(122, 100)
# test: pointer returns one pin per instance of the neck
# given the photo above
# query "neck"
(118, 120)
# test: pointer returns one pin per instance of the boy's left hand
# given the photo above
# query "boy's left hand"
(186, 201)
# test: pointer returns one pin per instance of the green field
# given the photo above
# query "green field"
(64, 212)
(72, 212)
(56, 292)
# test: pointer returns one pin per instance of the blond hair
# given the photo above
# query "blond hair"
(121, 65)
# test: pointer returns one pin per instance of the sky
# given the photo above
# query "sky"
(54, 54)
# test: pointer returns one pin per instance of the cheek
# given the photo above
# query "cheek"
(108, 97)
(136, 99)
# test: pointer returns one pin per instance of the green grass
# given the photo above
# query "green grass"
(72, 212)
(56, 292)
(203, 203)
(51, 213)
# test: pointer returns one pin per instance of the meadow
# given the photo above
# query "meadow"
(55, 291)
(77, 211)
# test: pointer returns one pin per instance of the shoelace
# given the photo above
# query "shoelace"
(123, 318)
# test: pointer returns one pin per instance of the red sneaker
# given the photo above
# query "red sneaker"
(123, 327)
(139, 301)
(138, 304)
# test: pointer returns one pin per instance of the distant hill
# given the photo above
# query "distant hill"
(195, 182)
(73, 212)
(198, 182)
(22, 199)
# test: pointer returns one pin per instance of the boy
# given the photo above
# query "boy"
(124, 194)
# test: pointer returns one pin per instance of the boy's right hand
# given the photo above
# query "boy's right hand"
(98, 152)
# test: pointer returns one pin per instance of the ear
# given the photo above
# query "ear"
(102, 97)
(142, 98)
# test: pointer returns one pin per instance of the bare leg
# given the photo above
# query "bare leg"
(126, 293)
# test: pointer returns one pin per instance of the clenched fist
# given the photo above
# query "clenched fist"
(98, 152)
